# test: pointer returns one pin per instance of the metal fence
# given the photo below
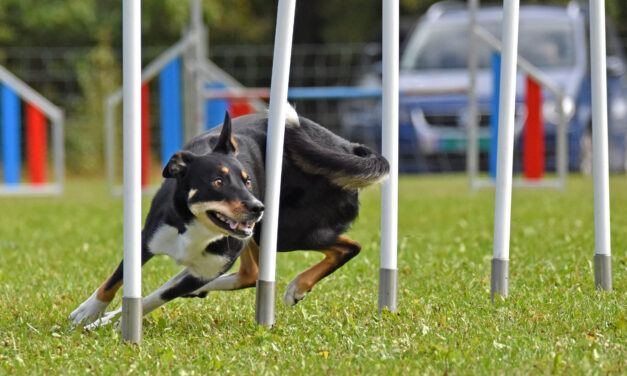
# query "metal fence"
(52, 70)
(312, 65)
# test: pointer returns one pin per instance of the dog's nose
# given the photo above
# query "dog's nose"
(255, 207)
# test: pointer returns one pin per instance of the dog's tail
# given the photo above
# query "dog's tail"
(349, 166)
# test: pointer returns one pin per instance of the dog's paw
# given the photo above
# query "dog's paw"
(107, 318)
(292, 294)
(89, 310)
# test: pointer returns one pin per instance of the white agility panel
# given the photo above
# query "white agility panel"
(131, 77)
(388, 272)
(264, 314)
(505, 153)
(602, 258)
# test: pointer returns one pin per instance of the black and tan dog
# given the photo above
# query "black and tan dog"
(205, 212)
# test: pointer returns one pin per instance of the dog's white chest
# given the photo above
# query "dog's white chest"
(188, 248)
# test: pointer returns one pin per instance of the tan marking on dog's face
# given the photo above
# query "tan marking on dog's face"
(225, 170)
(192, 193)
(244, 174)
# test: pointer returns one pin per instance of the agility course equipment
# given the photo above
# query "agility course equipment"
(168, 68)
(388, 273)
(278, 96)
(134, 95)
(505, 153)
(503, 195)
(531, 157)
(131, 78)
(182, 72)
(598, 68)
(264, 312)
(34, 128)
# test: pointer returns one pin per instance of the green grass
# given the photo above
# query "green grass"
(56, 251)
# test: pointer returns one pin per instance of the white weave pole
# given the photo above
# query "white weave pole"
(131, 78)
(388, 272)
(505, 151)
(264, 314)
(603, 255)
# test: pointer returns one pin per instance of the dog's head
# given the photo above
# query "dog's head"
(216, 186)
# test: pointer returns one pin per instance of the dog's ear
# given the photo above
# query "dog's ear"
(178, 164)
(226, 143)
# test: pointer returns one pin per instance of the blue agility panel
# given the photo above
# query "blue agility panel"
(494, 111)
(171, 110)
(11, 169)
(215, 107)
(339, 92)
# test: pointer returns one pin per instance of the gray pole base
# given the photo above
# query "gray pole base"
(264, 311)
(388, 287)
(603, 272)
(500, 278)
(132, 313)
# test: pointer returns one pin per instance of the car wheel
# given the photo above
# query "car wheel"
(585, 152)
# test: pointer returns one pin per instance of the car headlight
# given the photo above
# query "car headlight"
(618, 109)
(551, 111)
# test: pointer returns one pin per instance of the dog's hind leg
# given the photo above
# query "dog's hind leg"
(336, 256)
(245, 277)
(97, 303)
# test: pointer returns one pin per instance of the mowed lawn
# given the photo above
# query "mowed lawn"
(55, 252)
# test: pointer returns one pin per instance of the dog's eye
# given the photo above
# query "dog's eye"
(218, 182)
(249, 183)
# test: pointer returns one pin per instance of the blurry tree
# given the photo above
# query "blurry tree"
(98, 76)
(81, 22)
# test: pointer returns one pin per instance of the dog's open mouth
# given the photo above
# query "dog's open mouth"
(239, 229)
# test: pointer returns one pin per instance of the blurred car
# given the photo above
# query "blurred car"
(435, 60)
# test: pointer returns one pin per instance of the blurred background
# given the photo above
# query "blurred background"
(70, 52)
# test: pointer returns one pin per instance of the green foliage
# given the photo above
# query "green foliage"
(55, 252)
(98, 75)
(240, 21)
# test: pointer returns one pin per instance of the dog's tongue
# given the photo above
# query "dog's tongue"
(239, 225)
(232, 224)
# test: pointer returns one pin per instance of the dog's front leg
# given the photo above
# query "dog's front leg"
(181, 284)
(245, 277)
(97, 303)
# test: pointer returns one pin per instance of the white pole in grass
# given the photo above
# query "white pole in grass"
(131, 78)
(264, 314)
(388, 272)
(200, 54)
(602, 256)
(505, 150)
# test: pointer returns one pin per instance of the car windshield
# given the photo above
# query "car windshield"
(444, 45)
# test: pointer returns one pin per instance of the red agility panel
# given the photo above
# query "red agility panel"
(239, 108)
(36, 144)
(145, 135)
(533, 136)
